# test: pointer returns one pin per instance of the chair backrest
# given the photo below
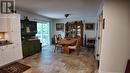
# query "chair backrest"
(91, 41)
(55, 37)
(59, 37)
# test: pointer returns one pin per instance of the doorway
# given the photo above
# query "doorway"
(99, 37)
(43, 33)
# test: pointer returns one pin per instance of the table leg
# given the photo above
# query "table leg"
(66, 49)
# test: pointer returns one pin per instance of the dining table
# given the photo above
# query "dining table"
(67, 42)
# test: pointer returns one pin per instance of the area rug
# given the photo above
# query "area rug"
(14, 68)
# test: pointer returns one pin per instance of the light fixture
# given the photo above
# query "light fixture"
(67, 15)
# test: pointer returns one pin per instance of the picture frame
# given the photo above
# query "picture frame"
(59, 26)
(7, 7)
(89, 26)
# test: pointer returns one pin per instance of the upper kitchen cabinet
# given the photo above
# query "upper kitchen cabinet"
(8, 22)
(14, 22)
(3, 24)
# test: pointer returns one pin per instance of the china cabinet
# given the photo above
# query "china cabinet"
(74, 29)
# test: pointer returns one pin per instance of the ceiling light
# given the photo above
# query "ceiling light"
(67, 15)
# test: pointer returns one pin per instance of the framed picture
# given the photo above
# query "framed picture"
(60, 26)
(7, 7)
(89, 26)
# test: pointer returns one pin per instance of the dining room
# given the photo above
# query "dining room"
(74, 35)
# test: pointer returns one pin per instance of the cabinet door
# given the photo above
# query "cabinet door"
(31, 49)
(17, 49)
(25, 49)
(8, 54)
(1, 57)
(15, 33)
(14, 22)
(15, 37)
(37, 46)
(3, 24)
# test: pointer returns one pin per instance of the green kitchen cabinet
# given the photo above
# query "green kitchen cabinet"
(25, 49)
(31, 47)
(38, 47)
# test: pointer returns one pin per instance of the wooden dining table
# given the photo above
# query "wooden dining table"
(67, 42)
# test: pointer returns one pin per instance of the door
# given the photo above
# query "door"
(99, 36)
(43, 33)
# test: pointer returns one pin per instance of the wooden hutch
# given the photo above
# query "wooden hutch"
(74, 29)
(30, 45)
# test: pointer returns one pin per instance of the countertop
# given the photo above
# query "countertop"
(5, 44)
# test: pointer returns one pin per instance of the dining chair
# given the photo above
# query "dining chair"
(57, 45)
(76, 47)
(91, 44)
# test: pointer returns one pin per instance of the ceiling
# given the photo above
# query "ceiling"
(57, 8)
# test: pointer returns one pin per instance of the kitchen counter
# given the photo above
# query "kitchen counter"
(5, 44)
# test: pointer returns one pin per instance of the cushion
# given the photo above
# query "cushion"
(72, 47)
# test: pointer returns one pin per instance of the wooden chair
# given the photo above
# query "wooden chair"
(91, 44)
(57, 45)
(76, 47)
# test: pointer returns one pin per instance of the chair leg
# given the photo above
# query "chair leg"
(61, 49)
(55, 49)
(88, 49)
(77, 51)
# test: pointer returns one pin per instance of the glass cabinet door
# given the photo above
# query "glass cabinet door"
(78, 30)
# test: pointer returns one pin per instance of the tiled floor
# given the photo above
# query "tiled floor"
(49, 62)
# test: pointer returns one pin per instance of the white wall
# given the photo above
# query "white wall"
(89, 33)
(115, 49)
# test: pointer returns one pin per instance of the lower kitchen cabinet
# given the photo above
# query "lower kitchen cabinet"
(6, 54)
(31, 47)
(9, 53)
(25, 49)
(1, 56)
